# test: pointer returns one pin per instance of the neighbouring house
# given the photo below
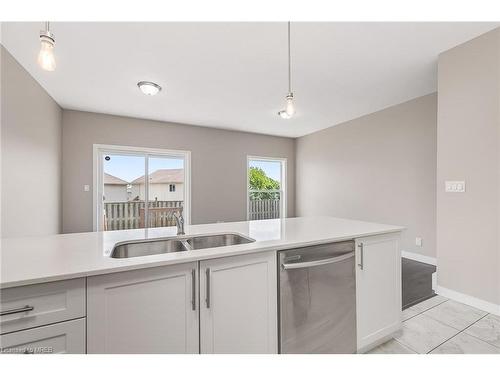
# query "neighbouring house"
(116, 189)
(164, 185)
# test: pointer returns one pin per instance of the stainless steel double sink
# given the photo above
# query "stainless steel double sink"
(139, 248)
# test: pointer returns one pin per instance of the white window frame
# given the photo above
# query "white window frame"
(283, 191)
(97, 171)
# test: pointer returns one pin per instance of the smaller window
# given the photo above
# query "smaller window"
(171, 188)
(266, 179)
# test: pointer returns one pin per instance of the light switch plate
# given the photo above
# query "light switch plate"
(454, 186)
(86, 187)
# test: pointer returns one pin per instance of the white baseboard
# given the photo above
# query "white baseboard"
(377, 338)
(469, 300)
(419, 257)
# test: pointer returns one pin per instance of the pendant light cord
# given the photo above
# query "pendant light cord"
(47, 26)
(289, 62)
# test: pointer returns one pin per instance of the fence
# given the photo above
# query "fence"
(131, 215)
(264, 209)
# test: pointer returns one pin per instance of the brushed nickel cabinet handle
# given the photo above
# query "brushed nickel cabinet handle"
(193, 289)
(18, 310)
(314, 263)
(361, 256)
(207, 299)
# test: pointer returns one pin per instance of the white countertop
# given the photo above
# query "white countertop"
(37, 259)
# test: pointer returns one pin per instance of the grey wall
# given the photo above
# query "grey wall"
(380, 167)
(31, 154)
(468, 139)
(218, 163)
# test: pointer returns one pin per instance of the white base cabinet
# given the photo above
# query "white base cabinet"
(160, 310)
(238, 304)
(152, 310)
(378, 289)
(43, 318)
(221, 305)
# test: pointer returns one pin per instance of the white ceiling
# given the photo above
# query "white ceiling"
(234, 75)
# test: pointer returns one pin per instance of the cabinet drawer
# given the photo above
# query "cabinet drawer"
(40, 304)
(65, 337)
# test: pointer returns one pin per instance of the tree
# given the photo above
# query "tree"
(258, 180)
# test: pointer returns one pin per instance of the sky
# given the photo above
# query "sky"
(130, 167)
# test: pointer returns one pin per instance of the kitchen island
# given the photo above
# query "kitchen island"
(211, 300)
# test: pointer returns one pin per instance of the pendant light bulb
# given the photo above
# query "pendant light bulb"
(284, 115)
(290, 108)
(46, 58)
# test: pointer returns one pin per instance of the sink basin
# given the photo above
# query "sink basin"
(217, 240)
(148, 247)
(139, 248)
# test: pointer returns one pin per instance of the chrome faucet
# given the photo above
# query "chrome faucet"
(180, 224)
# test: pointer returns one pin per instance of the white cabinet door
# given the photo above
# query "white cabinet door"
(238, 304)
(65, 337)
(152, 310)
(378, 289)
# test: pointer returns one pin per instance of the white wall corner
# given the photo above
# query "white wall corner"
(419, 257)
(469, 300)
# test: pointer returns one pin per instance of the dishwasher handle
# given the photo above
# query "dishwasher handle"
(291, 266)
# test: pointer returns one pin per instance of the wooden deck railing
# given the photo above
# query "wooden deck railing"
(131, 215)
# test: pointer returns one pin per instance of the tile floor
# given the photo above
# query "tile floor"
(442, 326)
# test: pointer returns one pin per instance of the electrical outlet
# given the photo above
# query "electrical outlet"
(418, 241)
(454, 186)
(86, 187)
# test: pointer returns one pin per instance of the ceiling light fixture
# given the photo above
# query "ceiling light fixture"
(46, 57)
(289, 110)
(149, 88)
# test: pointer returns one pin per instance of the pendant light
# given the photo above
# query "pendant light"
(289, 110)
(46, 58)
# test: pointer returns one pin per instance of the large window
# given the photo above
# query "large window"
(266, 181)
(139, 188)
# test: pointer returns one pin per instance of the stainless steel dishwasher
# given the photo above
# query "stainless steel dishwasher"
(317, 295)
